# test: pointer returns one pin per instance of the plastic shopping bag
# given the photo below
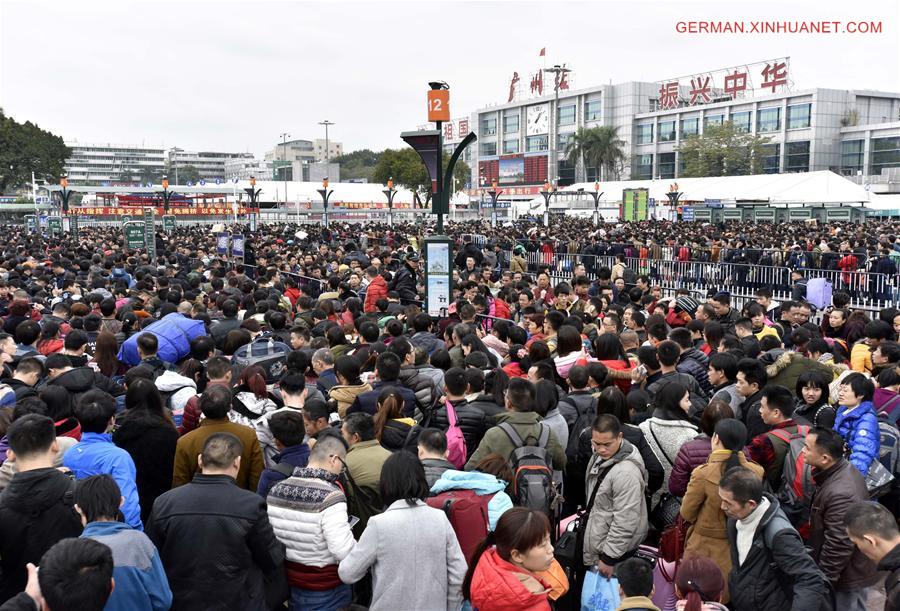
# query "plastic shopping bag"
(599, 593)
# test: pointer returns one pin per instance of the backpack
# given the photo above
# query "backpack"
(468, 515)
(456, 442)
(797, 486)
(266, 353)
(889, 436)
(168, 394)
(583, 420)
(532, 483)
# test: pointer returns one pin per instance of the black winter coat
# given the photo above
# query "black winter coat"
(696, 364)
(422, 386)
(396, 436)
(150, 441)
(216, 544)
(404, 282)
(37, 509)
(891, 564)
(780, 576)
(487, 405)
(471, 420)
(82, 379)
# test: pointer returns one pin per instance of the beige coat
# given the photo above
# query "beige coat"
(702, 507)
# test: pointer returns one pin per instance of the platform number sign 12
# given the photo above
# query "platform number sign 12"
(438, 105)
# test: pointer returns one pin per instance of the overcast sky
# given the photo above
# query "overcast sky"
(232, 76)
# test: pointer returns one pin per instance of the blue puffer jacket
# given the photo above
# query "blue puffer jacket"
(859, 428)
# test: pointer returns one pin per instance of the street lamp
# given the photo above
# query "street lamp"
(547, 193)
(674, 196)
(389, 193)
(325, 193)
(284, 136)
(494, 193)
(596, 193)
(253, 192)
(559, 73)
(326, 123)
(65, 194)
(166, 194)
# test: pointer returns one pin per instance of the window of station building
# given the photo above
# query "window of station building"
(564, 140)
(511, 123)
(885, 154)
(566, 115)
(644, 133)
(643, 167)
(591, 174)
(488, 126)
(796, 157)
(852, 156)
(713, 120)
(510, 146)
(690, 127)
(535, 143)
(666, 165)
(768, 120)
(488, 148)
(566, 173)
(592, 110)
(798, 116)
(741, 121)
(666, 131)
(771, 154)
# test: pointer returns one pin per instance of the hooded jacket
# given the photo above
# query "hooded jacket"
(421, 384)
(345, 395)
(82, 379)
(498, 585)
(426, 341)
(150, 441)
(859, 428)
(482, 484)
(617, 521)
(37, 509)
(180, 390)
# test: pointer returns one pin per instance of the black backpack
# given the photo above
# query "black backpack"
(532, 484)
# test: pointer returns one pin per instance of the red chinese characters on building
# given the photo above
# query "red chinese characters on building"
(775, 75)
(512, 86)
(735, 83)
(462, 129)
(448, 130)
(668, 95)
(537, 83)
(562, 81)
(700, 90)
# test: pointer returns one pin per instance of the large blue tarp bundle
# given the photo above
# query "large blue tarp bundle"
(174, 334)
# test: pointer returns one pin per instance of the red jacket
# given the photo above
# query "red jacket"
(377, 289)
(293, 295)
(498, 585)
(501, 309)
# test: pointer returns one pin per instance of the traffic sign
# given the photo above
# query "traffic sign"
(202, 182)
(134, 235)
(438, 105)
(54, 224)
(168, 223)
(30, 223)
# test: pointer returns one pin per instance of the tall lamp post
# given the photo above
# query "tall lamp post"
(327, 124)
(253, 192)
(674, 196)
(64, 194)
(389, 193)
(166, 194)
(284, 136)
(494, 193)
(596, 193)
(547, 193)
(325, 193)
(558, 73)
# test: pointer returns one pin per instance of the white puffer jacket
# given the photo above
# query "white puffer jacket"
(308, 513)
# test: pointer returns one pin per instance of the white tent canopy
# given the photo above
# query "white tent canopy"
(824, 187)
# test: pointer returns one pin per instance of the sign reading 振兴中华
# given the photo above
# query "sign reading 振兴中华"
(727, 83)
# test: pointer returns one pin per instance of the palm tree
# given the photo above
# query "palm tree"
(598, 147)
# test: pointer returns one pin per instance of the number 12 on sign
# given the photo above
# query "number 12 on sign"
(438, 105)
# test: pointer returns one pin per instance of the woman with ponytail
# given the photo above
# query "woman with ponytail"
(700, 585)
(701, 506)
(505, 568)
(391, 428)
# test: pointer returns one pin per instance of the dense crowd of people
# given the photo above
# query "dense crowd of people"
(293, 430)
